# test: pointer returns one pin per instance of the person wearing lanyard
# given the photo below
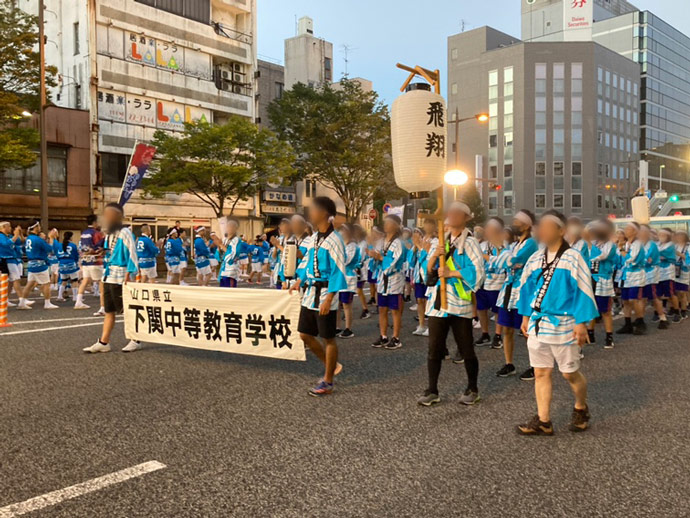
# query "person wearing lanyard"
(602, 262)
(556, 303)
(651, 251)
(233, 247)
(37, 251)
(487, 295)
(461, 263)
(322, 272)
(508, 317)
(353, 262)
(682, 274)
(390, 283)
(667, 272)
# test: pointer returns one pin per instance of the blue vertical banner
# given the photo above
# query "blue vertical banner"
(142, 155)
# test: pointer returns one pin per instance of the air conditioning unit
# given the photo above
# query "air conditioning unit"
(237, 89)
(238, 67)
(238, 78)
(225, 86)
(225, 74)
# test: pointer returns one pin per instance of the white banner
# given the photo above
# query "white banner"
(234, 320)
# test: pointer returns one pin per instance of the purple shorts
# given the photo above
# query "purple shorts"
(665, 289)
(603, 304)
(407, 278)
(649, 292)
(360, 285)
(346, 297)
(389, 301)
(370, 278)
(487, 300)
(279, 285)
(509, 318)
(634, 293)
(677, 286)
(420, 291)
(228, 282)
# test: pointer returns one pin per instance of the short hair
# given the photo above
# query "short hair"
(116, 206)
(498, 220)
(555, 213)
(326, 204)
(91, 219)
(395, 218)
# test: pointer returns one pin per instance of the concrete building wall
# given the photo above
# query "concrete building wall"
(271, 84)
(308, 59)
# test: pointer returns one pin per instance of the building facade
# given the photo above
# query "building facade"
(308, 59)
(138, 66)
(556, 136)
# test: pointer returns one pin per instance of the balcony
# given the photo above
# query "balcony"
(234, 6)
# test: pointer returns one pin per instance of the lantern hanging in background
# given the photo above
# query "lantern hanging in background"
(418, 135)
(640, 209)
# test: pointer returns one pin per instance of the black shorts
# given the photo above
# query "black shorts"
(313, 324)
(112, 298)
(3, 266)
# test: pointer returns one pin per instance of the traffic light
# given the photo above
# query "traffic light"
(495, 186)
(674, 198)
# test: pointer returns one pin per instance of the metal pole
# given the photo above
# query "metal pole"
(42, 115)
(457, 139)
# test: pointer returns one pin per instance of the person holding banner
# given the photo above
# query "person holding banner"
(461, 263)
(202, 257)
(173, 253)
(147, 252)
(322, 273)
(121, 263)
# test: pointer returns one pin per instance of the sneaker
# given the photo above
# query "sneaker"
(132, 346)
(365, 314)
(580, 420)
(98, 347)
(372, 301)
(23, 305)
(507, 370)
(419, 330)
(457, 359)
(393, 343)
(10, 304)
(592, 337)
(609, 342)
(30, 302)
(677, 318)
(535, 427)
(663, 324)
(684, 314)
(655, 318)
(426, 332)
(485, 339)
(322, 388)
(477, 324)
(497, 342)
(338, 331)
(640, 328)
(81, 305)
(99, 313)
(347, 333)
(528, 375)
(49, 305)
(469, 398)
(61, 299)
(627, 329)
(429, 399)
(413, 307)
(381, 342)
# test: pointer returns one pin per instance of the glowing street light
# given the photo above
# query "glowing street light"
(482, 117)
(26, 114)
(456, 178)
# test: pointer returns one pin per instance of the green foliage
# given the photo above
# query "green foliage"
(472, 197)
(19, 84)
(342, 140)
(219, 164)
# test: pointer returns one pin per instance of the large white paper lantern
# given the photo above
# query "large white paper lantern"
(419, 138)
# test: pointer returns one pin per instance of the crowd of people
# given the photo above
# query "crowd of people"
(552, 280)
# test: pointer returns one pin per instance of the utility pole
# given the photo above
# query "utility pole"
(42, 116)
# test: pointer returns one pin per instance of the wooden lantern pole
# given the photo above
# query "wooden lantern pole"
(434, 78)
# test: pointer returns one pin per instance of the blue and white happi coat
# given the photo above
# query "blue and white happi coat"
(323, 264)
(122, 256)
(513, 263)
(391, 277)
(353, 261)
(468, 260)
(568, 300)
(602, 259)
(201, 253)
(633, 273)
(682, 265)
(230, 263)
(495, 272)
(651, 263)
(667, 262)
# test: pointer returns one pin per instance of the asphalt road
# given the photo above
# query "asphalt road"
(239, 436)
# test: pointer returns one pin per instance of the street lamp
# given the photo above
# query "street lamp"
(456, 178)
(26, 114)
(479, 117)
(661, 176)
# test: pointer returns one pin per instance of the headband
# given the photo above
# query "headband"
(494, 223)
(461, 206)
(553, 219)
(298, 217)
(31, 227)
(395, 219)
(200, 229)
(172, 231)
(3, 223)
(661, 231)
(524, 218)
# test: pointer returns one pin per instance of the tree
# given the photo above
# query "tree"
(19, 85)
(219, 164)
(472, 197)
(342, 140)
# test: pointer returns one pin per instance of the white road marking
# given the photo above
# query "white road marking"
(45, 321)
(68, 493)
(56, 328)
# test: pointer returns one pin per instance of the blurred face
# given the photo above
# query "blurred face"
(479, 232)
(644, 234)
(664, 237)
(519, 227)
(494, 232)
(284, 227)
(406, 235)
(549, 232)
(429, 228)
(112, 217)
(390, 226)
(630, 232)
(317, 215)
(298, 226)
(456, 218)
(6, 228)
(345, 233)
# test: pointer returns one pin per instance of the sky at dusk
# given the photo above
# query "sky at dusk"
(381, 33)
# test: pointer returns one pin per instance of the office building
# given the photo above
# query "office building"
(308, 59)
(552, 140)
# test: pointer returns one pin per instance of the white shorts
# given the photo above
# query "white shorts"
(204, 270)
(214, 262)
(149, 273)
(543, 355)
(40, 278)
(183, 265)
(15, 271)
(173, 268)
(54, 268)
(256, 267)
(93, 272)
(69, 276)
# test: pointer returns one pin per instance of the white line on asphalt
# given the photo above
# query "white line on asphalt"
(68, 493)
(45, 321)
(56, 328)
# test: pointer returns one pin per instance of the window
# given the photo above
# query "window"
(600, 201)
(508, 138)
(113, 167)
(454, 54)
(508, 75)
(328, 69)
(558, 201)
(493, 202)
(508, 202)
(540, 136)
(507, 170)
(576, 182)
(540, 201)
(576, 70)
(540, 169)
(29, 180)
(540, 70)
(493, 78)
(310, 188)
(576, 201)
(454, 89)
(540, 104)
(280, 88)
(493, 171)
(76, 38)
(576, 169)
(197, 10)
(540, 86)
(493, 140)
(558, 168)
(558, 70)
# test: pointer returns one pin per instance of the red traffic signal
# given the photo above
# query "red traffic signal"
(495, 186)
